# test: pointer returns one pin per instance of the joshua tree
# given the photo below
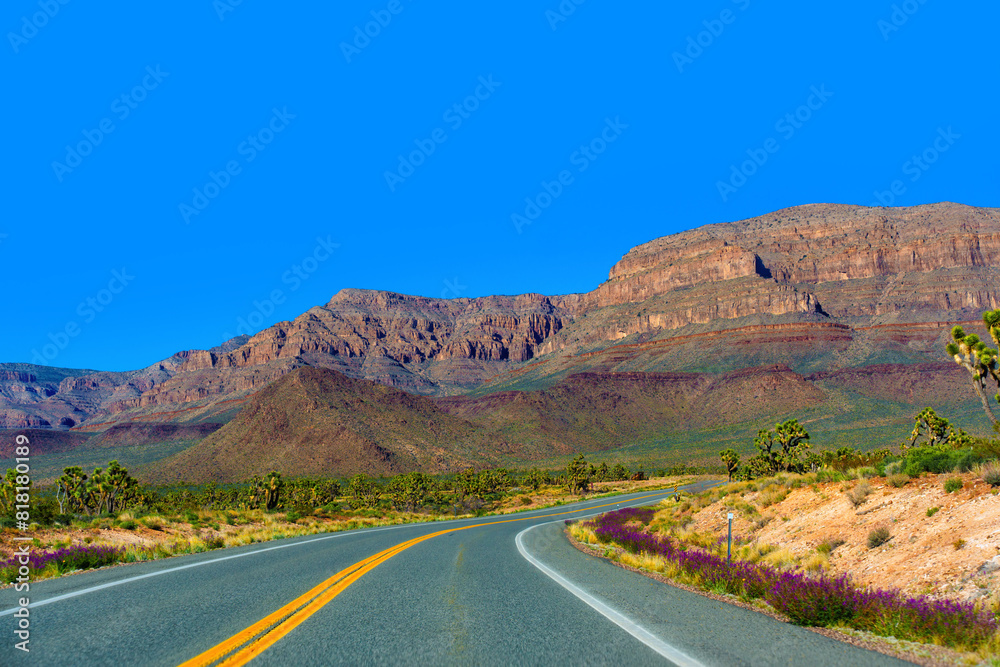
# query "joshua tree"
(364, 491)
(930, 426)
(732, 461)
(790, 438)
(578, 475)
(979, 359)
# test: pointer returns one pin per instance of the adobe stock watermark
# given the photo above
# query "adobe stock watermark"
(455, 116)
(37, 21)
(223, 7)
(581, 158)
(562, 13)
(297, 274)
(363, 35)
(453, 289)
(249, 148)
(122, 106)
(696, 44)
(787, 125)
(900, 14)
(917, 165)
(88, 309)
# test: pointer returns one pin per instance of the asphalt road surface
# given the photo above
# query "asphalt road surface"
(494, 590)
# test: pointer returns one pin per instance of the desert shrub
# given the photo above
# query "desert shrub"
(878, 537)
(153, 523)
(931, 511)
(215, 542)
(525, 500)
(859, 494)
(829, 476)
(828, 545)
(898, 480)
(953, 484)
(772, 495)
(44, 511)
(865, 472)
(938, 461)
(958, 544)
(989, 472)
(128, 524)
(894, 467)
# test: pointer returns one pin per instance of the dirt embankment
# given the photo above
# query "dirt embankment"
(954, 552)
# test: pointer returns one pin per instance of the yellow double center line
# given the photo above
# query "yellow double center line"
(244, 646)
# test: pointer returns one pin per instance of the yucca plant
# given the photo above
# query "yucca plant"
(979, 359)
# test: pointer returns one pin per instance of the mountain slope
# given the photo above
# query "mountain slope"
(316, 421)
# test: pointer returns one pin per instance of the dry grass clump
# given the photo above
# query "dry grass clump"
(859, 494)
(153, 522)
(878, 536)
(582, 533)
(989, 472)
(772, 495)
(898, 480)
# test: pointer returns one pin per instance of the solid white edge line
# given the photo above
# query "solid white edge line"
(676, 656)
(119, 582)
(111, 584)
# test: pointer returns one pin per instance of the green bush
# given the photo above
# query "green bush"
(45, 511)
(937, 461)
(878, 537)
(128, 524)
(894, 467)
(828, 545)
(953, 484)
(931, 511)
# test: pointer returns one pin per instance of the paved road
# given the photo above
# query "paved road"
(507, 593)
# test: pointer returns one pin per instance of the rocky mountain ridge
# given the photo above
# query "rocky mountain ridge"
(819, 288)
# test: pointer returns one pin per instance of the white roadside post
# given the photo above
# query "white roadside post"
(729, 545)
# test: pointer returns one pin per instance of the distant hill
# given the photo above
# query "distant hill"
(316, 421)
(320, 422)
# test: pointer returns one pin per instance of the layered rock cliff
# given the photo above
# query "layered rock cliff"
(819, 288)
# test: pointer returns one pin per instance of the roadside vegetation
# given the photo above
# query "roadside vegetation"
(768, 577)
(107, 516)
(938, 461)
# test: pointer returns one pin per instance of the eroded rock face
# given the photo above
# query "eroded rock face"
(852, 261)
(821, 287)
(418, 344)
(58, 398)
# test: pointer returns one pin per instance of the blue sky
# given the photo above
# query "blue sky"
(173, 171)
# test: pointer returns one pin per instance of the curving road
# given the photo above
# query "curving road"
(488, 591)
